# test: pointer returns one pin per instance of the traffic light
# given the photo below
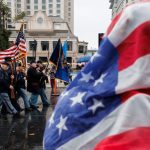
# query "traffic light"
(100, 38)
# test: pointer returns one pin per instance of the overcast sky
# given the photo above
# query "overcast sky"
(91, 17)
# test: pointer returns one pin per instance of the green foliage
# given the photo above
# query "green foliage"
(20, 16)
(4, 12)
(4, 39)
(4, 34)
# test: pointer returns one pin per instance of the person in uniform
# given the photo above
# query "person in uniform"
(33, 85)
(5, 87)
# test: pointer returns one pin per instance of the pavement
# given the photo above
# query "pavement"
(26, 133)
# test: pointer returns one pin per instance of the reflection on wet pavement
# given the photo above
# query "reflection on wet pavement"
(25, 133)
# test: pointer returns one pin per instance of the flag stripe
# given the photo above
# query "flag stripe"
(11, 52)
(128, 22)
(113, 123)
(113, 23)
(134, 47)
(137, 76)
(125, 141)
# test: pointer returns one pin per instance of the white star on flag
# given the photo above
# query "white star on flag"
(65, 93)
(62, 125)
(94, 56)
(78, 99)
(96, 105)
(51, 120)
(100, 80)
(86, 77)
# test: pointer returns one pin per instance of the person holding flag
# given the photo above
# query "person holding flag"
(58, 59)
(4, 90)
(59, 63)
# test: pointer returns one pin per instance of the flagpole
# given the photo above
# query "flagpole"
(26, 47)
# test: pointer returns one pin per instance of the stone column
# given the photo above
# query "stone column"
(39, 48)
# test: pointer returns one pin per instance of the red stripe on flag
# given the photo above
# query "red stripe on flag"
(125, 96)
(113, 23)
(134, 46)
(136, 139)
(11, 48)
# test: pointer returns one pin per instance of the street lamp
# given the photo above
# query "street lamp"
(34, 46)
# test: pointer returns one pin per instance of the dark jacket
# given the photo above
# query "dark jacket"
(33, 80)
(4, 81)
(20, 81)
(43, 79)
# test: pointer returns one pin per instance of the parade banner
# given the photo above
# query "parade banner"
(58, 59)
(54, 59)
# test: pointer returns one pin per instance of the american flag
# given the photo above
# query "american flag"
(21, 42)
(107, 106)
(11, 52)
(17, 51)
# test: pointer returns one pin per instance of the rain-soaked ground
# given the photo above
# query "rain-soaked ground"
(26, 133)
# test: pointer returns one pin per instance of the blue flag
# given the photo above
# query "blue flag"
(56, 54)
(58, 59)
(65, 48)
(62, 69)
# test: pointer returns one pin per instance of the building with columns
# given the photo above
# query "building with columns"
(46, 31)
(118, 5)
(61, 8)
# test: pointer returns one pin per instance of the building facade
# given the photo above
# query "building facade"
(118, 5)
(46, 30)
(62, 8)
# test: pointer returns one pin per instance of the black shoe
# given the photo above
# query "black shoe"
(46, 105)
(21, 109)
(55, 94)
(34, 107)
(17, 115)
(28, 109)
(3, 116)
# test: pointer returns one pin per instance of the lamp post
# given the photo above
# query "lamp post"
(34, 46)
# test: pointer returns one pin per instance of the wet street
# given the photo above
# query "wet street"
(26, 133)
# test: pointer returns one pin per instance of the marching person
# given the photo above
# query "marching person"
(52, 80)
(4, 90)
(21, 88)
(43, 81)
(12, 93)
(33, 86)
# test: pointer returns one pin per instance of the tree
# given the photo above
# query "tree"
(20, 16)
(4, 39)
(4, 34)
(4, 12)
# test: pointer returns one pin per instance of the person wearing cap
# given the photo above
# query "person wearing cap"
(5, 88)
(33, 85)
(12, 76)
(21, 88)
(43, 80)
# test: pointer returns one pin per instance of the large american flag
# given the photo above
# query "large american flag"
(17, 51)
(107, 106)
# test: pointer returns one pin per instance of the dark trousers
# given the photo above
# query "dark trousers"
(14, 103)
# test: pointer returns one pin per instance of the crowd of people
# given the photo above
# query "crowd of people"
(15, 82)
